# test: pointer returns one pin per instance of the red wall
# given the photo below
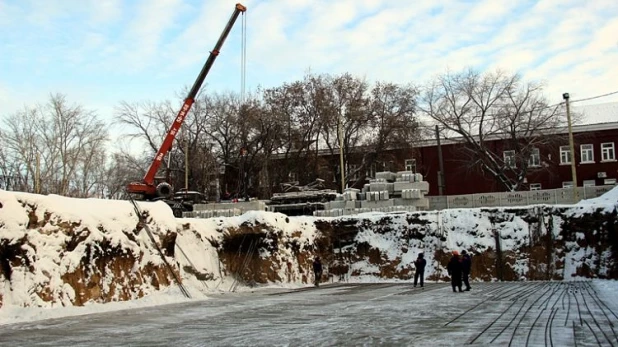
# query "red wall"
(460, 180)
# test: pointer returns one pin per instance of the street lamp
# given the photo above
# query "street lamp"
(565, 96)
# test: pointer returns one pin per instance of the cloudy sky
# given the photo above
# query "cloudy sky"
(101, 52)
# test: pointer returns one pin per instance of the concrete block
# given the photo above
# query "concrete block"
(422, 186)
(376, 187)
(386, 175)
(376, 204)
(352, 204)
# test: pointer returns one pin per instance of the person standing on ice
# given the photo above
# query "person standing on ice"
(454, 270)
(420, 263)
(466, 265)
(317, 270)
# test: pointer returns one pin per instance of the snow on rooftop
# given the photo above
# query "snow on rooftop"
(597, 113)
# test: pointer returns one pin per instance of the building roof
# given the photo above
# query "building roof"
(597, 113)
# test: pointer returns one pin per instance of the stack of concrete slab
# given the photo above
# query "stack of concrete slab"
(335, 204)
(411, 194)
(388, 176)
(377, 195)
(350, 194)
(213, 213)
(347, 212)
(242, 206)
(422, 186)
(403, 190)
(408, 176)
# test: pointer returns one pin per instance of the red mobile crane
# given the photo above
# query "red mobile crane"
(147, 189)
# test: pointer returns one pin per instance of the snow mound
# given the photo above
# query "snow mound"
(611, 197)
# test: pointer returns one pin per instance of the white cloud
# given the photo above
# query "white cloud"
(569, 44)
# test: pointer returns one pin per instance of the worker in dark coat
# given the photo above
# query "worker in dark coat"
(454, 270)
(419, 264)
(317, 270)
(466, 265)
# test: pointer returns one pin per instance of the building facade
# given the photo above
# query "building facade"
(549, 168)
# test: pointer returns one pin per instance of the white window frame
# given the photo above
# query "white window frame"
(535, 158)
(535, 186)
(370, 172)
(509, 158)
(410, 165)
(587, 153)
(567, 184)
(565, 155)
(356, 176)
(608, 151)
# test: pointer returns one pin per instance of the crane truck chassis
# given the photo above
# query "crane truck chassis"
(148, 189)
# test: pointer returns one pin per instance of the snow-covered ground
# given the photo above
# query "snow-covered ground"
(569, 313)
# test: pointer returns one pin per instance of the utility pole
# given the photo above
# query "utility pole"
(565, 96)
(37, 175)
(341, 167)
(186, 161)
(440, 163)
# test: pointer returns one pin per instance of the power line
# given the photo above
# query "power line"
(595, 97)
(496, 115)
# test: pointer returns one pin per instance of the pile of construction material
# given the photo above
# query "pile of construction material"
(224, 209)
(387, 192)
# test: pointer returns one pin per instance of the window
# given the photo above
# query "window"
(535, 186)
(352, 170)
(609, 181)
(565, 155)
(587, 152)
(590, 183)
(371, 171)
(509, 158)
(336, 174)
(535, 158)
(411, 165)
(607, 151)
(567, 184)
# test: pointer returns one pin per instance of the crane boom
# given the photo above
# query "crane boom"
(147, 186)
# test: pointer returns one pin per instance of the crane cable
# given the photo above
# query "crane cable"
(243, 58)
(243, 80)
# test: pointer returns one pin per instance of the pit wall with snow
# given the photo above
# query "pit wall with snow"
(57, 251)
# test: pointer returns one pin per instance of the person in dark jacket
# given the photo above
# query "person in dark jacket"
(317, 270)
(420, 263)
(454, 270)
(466, 265)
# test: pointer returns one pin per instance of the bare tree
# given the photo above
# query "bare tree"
(483, 107)
(294, 109)
(68, 140)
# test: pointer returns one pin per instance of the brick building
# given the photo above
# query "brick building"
(549, 168)
(595, 159)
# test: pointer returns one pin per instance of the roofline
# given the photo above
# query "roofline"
(562, 130)
(457, 140)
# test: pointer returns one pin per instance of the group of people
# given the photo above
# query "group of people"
(458, 269)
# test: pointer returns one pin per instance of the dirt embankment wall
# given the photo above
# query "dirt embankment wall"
(52, 255)
(537, 243)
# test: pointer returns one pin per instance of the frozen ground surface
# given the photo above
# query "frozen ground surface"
(576, 313)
